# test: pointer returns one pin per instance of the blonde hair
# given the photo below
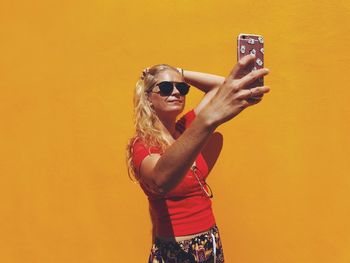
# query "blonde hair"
(146, 122)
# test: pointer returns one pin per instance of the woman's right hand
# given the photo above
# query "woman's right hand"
(233, 95)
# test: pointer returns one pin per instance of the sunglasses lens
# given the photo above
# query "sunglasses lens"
(165, 88)
(182, 87)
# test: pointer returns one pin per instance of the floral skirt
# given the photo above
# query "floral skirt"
(206, 247)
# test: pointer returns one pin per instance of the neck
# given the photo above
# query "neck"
(169, 126)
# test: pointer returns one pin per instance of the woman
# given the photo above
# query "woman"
(171, 159)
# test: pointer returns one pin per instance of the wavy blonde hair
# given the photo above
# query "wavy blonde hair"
(146, 122)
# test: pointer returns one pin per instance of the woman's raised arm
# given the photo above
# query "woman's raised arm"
(203, 81)
(208, 83)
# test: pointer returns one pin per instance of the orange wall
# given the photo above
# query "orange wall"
(67, 72)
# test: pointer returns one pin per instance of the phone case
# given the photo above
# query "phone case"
(252, 44)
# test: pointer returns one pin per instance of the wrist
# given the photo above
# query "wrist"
(181, 71)
(208, 120)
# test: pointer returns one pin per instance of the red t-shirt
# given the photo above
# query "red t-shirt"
(184, 210)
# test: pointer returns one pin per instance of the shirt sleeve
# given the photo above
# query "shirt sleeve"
(139, 152)
(185, 121)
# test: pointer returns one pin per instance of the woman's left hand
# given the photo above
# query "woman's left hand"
(144, 73)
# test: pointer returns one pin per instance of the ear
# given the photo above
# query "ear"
(149, 100)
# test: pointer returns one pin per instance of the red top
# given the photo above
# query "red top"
(184, 210)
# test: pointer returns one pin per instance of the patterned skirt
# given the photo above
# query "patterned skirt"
(206, 247)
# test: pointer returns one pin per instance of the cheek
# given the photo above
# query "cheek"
(157, 102)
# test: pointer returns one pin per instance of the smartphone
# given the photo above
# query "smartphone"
(252, 44)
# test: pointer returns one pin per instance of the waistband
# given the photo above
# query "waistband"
(212, 230)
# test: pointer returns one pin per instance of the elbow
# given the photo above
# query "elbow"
(160, 188)
(164, 182)
(161, 191)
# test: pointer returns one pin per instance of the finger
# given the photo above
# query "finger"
(241, 66)
(260, 91)
(252, 77)
(249, 102)
(253, 101)
(254, 93)
(258, 96)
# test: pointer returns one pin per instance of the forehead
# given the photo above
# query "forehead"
(169, 75)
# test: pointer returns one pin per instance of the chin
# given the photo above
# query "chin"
(172, 111)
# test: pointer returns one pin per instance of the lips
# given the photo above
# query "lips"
(179, 101)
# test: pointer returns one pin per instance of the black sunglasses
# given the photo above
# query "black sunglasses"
(166, 88)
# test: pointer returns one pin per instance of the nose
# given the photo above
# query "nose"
(175, 92)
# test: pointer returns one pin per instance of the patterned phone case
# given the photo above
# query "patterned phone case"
(252, 44)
